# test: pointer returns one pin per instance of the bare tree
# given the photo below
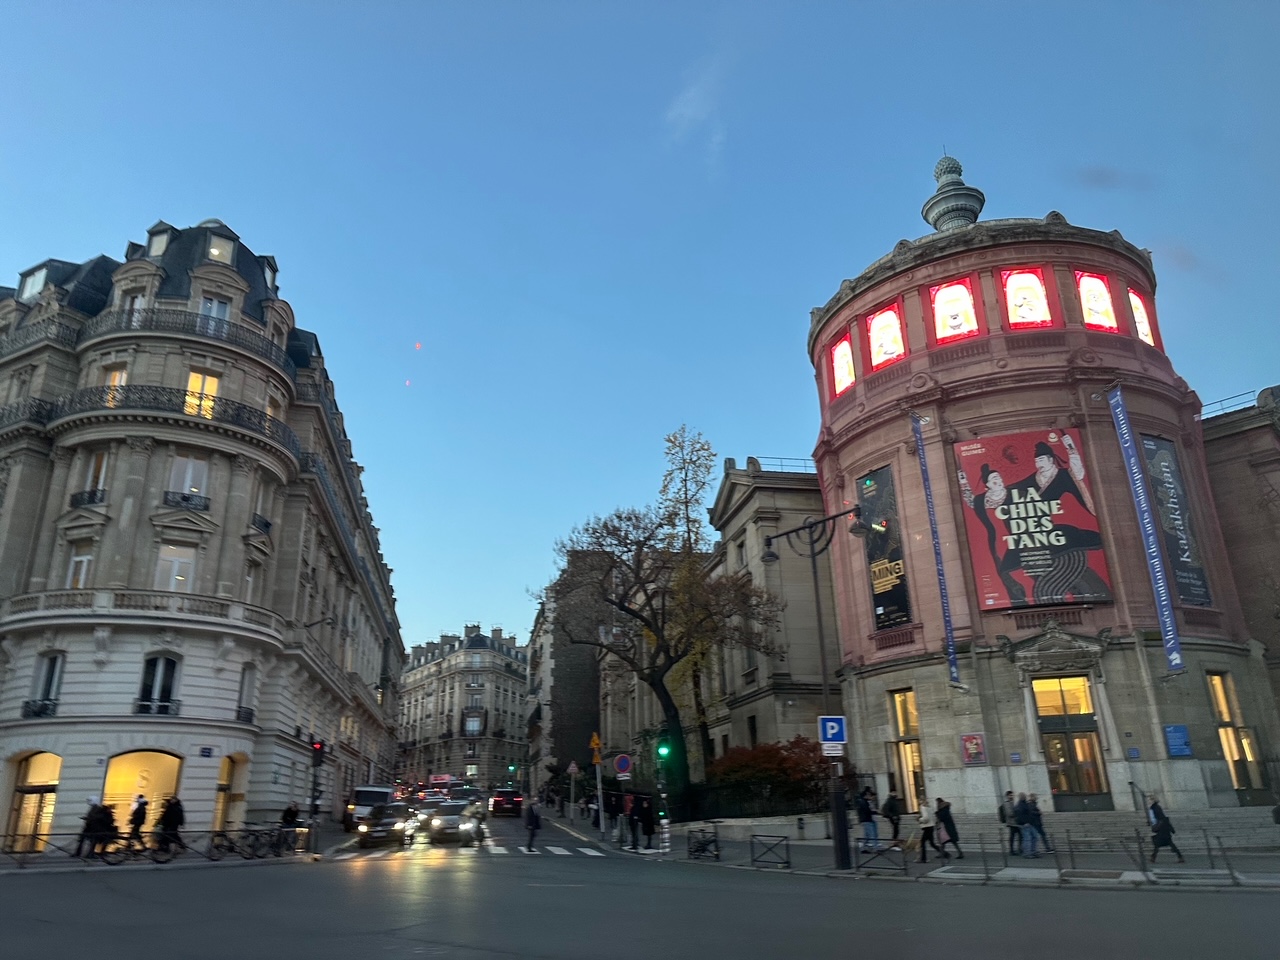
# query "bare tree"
(636, 584)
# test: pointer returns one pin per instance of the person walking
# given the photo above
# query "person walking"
(1008, 818)
(1162, 831)
(892, 811)
(87, 821)
(1037, 822)
(172, 819)
(137, 817)
(1022, 817)
(289, 826)
(927, 824)
(866, 809)
(633, 820)
(532, 822)
(947, 827)
(646, 822)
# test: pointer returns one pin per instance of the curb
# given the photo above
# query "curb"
(192, 864)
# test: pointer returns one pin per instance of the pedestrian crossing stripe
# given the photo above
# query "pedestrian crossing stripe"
(437, 852)
(591, 853)
(526, 850)
(560, 851)
(499, 850)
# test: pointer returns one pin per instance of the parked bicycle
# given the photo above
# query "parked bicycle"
(121, 848)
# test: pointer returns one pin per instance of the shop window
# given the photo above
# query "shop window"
(954, 315)
(147, 773)
(884, 338)
(1095, 302)
(1239, 746)
(34, 796)
(1141, 321)
(222, 793)
(842, 374)
(1025, 299)
(202, 394)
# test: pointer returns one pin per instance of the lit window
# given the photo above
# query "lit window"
(1140, 318)
(158, 245)
(884, 336)
(32, 284)
(175, 568)
(189, 475)
(1095, 302)
(114, 378)
(202, 391)
(954, 317)
(1062, 696)
(1025, 298)
(80, 569)
(906, 715)
(842, 375)
(1239, 745)
(221, 249)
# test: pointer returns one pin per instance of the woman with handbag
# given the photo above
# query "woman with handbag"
(927, 824)
(947, 832)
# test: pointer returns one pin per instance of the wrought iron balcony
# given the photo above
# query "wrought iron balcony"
(39, 708)
(175, 400)
(260, 523)
(185, 501)
(157, 708)
(88, 498)
(155, 320)
(46, 331)
(29, 410)
(244, 714)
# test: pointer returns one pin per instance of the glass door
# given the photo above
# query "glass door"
(1071, 743)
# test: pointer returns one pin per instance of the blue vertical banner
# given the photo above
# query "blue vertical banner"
(953, 667)
(1150, 532)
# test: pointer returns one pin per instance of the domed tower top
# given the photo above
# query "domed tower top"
(955, 203)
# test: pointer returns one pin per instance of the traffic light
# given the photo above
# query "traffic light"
(511, 768)
(664, 747)
(317, 753)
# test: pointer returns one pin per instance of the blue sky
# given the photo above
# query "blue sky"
(602, 220)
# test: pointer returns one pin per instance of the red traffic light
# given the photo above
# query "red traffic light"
(318, 746)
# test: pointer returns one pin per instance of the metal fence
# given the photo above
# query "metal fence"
(252, 842)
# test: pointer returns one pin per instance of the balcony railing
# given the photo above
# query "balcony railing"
(244, 714)
(155, 320)
(88, 498)
(46, 331)
(260, 523)
(175, 400)
(156, 708)
(185, 501)
(39, 708)
(133, 604)
(29, 410)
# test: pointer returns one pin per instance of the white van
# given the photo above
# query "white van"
(364, 799)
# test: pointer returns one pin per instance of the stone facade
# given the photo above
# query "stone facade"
(981, 336)
(192, 587)
(464, 709)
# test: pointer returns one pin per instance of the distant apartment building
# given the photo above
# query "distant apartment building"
(462, 709)
(191, 586)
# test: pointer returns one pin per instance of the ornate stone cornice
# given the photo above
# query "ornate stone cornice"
(1053, 650)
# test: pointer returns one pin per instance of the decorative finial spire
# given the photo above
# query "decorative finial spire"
(955, 203)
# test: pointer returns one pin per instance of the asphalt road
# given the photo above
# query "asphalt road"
(429, 903)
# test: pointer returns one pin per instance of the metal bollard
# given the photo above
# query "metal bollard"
(800, 828)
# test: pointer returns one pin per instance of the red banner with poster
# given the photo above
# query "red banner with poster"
(1029, 513)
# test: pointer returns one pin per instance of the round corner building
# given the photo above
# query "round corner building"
(997, 401)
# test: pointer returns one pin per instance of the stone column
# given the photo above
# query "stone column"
(41, 574)
(235, 521)
(127, 506)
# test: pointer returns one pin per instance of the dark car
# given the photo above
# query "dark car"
(506, 802)
(455, 820)
(470, 794)
(388, 823)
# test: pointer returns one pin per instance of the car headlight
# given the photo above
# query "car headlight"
(399, 825)
(363, 828)
(351, 807)
(437, 822)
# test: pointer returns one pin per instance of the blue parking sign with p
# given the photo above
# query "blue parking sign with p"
(831, 730)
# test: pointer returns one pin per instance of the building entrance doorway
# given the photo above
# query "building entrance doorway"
(31, 813)
(1072, 748)
(151, 773)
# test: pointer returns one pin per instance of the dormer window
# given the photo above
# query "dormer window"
(32, 284)
(270, 274)
(221, 249)
(158, 244)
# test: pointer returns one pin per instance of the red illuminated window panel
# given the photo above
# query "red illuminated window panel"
(842, 375)
(954, 316)
(1141, 319)
(884, 337)
(1095, 302)
(1025, 298)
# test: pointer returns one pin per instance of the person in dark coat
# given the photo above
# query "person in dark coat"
(645, 816)
(947, 822)
(633, 821)
(532, 822)
(891, 810)
(172, 819)
(136, 821)
(1037, 821)
(99, 828)
(86, 837)
(1162, 832)
(1022, 818)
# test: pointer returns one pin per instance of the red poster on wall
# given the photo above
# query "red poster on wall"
(1029, 513)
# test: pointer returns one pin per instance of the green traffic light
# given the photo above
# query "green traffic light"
(511, 768)
(664, 749)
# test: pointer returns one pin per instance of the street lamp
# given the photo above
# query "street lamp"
(811, 539)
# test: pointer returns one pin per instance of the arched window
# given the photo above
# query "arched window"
(159, 684)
